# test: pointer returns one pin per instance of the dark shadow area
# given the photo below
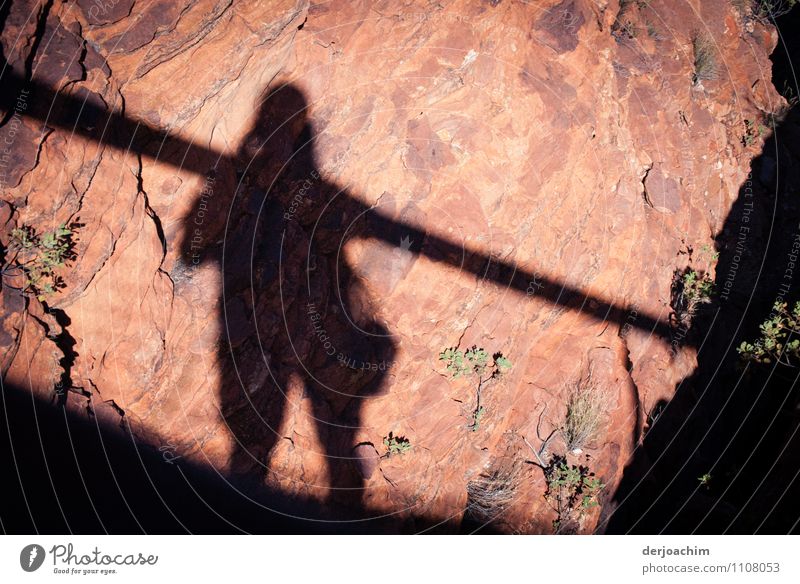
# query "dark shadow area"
(67, 472)
(70, 473)
(724, 455)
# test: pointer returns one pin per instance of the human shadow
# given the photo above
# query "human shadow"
(297, 322)
(723, 455)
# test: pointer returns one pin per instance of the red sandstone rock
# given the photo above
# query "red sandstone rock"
(523, 131)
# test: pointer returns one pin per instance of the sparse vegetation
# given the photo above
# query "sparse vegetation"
(705, 480)
(697, 287)
(768, 10)
(571, 491)
(705, 60)
(586, 406)
(752, 132)
(791, 97)
(477, 416)
(542, 454)
(690, 290)
(778, 341)
(624, 26)
(37, 257)
(708, 252)
(653, 415)
(764, 11)
(461, 363)
(475, 362)
(396, 444)
(492, 492)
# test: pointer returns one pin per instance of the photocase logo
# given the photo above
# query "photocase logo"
(31, 557)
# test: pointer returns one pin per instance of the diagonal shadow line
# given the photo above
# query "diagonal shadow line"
(87, 117)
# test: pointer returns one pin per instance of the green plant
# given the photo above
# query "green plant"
(475, 362)
(705, 60)
(37, 257)
(752, 132)
(708, 251)
(698, 286)
(477, 416)
(571, 490)
(461, 363)
(396, 444)
(705, 480)
(502, 363)
(776, 342)
(690, 290)
(586, 406)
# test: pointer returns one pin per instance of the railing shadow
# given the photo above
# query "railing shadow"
(88, 117)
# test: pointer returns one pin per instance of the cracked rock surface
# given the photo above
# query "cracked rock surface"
(418, 159)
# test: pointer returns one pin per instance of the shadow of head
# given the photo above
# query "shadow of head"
(251, 181)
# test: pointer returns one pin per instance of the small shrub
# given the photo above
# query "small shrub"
(697, 287)
(705, 480)
(690, 290)
(571, 490)
(475, 362)
(461, 363)
(705, 60)
(586, 406)
(477, 416)
(396, 444)
(752, 132)
(776, 342)
(37, 257)
(708, 252)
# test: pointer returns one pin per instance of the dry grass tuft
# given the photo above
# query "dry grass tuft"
(493, 491)
(586, 406)
(705, 59)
